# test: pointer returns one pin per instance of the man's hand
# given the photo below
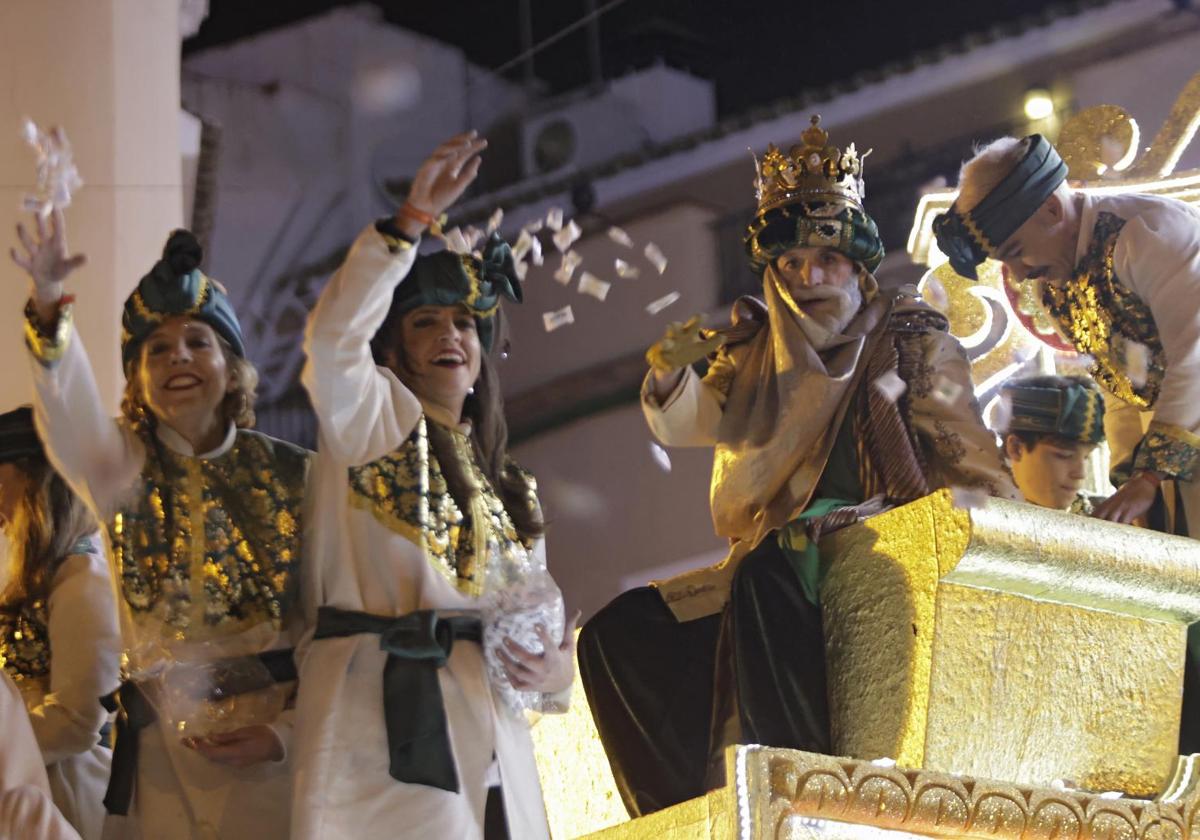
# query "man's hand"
(443, 178)
(243, 747)
(46, 262)
(1130, 502)
(548, 672)
(682, 345)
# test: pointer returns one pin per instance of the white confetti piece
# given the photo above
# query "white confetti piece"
(494, 220)
(660, 457)
(891, 386)
(535, 251)
(521, 247)
(522, 268)
(567, 236)
(1001, 413)
(946, 391)
(619, 236)
(1137, 363)
(534, 226)
(657, 258)
(1110, 794)
(455, 241)
(554, 219)
(625, 270)
(935, 294)
(57, 176)
(570, 261)
(968, 498)
(656, 306)
(558, 318)
(590, 284)
(473, 236)
(884, 762)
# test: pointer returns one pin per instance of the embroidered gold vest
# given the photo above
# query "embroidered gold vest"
(1106, 320)
(212, 544)
(406, 492)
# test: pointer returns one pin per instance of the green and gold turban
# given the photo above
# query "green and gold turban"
(177, 286)
(1056, 407)
(813, 224)
(450, 279)
(18, 437)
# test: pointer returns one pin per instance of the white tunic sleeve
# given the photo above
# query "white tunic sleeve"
(689, 416)
(363, 409)
(85, 648)
(20, 760)
(1158, 255)
(97, 456)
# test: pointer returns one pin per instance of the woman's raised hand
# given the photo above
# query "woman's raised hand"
(445, 175)
(46, 261)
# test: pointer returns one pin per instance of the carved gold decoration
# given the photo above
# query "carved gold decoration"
(1174, 136)
(1097, 140)
(813, 169)
(1058, 650)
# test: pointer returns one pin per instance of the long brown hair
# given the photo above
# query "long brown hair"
(48, 521)
(485, 409)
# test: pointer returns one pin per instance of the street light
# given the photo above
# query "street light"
(1038, 104)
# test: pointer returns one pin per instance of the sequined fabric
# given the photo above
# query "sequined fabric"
(406, 492)
(1103, 318)
(25, 642)
(211, 544)
(1168, 450)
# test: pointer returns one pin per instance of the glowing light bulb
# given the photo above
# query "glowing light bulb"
(1038, 104)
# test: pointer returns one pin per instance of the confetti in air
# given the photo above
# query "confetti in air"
(626, 270)
(494, 221)
(57, 176)
(1137, 363)
(1001, 413)
(656, 257)
(935, 294)
(455, 241)
(522, 268)
(534, 226)
(660, 457)
(619, 236)
(523, 244)
(558, 318)
(566, 236)
(946, 390)
(570, 261)
(473, 235)
(535, 251)
(890, 385)
(554, 219)
(656, 306)
(884, 762)
(590, 284)
(968, 498)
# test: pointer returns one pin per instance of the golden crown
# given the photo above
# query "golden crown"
(812, 170)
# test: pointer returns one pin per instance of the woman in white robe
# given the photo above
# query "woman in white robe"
(202, 519)
(403, 480)
(58, 623)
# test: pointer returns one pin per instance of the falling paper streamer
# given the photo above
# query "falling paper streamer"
(558, 318)
(535, 251)
(570, 261)
(590, 284)
(619, 236)
(968, 498)
(494, 221)
(626, 270)
(890, 385)
(567, 236)
(523, 244)
(660, 457)
(946, 390)
(1137, 363)
(656, 306)
(657, 258)
(57, 176)
(554, 219)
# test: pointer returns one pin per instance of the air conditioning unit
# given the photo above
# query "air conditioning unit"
(578, 135)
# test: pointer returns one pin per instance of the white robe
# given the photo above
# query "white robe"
(1157, 256)
(65, 710)
(343, 790)
(178, 793)
(26, 809)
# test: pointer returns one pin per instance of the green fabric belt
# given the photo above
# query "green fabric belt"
(417, 645)
(803, 553)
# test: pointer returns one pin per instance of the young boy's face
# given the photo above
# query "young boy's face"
(1051, 472)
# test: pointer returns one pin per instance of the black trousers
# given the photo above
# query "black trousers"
(662, 691)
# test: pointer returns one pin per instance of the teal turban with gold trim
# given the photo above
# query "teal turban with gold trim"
(1062, 407)
(813, 224)
(177, 286)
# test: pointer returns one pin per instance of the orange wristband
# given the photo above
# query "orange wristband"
(1150, 476)
(417, 215)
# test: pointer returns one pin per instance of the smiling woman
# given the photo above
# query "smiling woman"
(203, 520)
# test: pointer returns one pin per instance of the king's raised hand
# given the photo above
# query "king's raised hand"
(44, 257)
(684, 344)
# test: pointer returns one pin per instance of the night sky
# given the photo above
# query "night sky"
(756, 53)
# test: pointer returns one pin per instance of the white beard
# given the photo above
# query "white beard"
(825, 325)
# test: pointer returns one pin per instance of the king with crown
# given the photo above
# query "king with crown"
(827, 401)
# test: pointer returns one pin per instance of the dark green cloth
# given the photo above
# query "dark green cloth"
(177, 286)
(18, 437)
(1074, 412)
(417, 644)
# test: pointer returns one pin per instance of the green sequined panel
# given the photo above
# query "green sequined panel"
(406, 491)
(1106, 321)
(234, 520)
(25, 642)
